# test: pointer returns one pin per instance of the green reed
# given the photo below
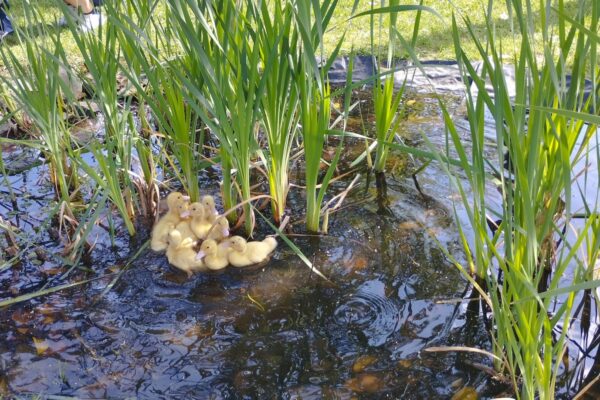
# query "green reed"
(312, 84)
(163, 93)
(542, 129)
(228, 94)
(278, 39)
(37, 87)
(101, 54)
(387, 102)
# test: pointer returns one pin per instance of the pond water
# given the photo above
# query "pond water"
(272, 331)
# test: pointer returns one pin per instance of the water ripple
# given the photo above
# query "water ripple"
(370, 311)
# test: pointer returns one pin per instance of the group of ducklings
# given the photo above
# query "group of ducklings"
(186, 225)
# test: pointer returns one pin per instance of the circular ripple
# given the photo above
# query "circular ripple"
(371, 312)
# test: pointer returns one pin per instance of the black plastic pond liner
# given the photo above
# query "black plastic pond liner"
(364, 68)
(442, 76)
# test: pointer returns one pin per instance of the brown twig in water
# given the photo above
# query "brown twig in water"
(340, 197)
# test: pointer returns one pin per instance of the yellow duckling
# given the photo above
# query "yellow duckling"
(215, 255)
(220, 231)
(210, 209)
(181, 254)
(244, 253)
(198, 224)
(184, 227)
(163, 226)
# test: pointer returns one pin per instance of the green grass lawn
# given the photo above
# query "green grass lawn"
(434, 41)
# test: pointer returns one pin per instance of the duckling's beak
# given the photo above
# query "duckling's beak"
(200, 255)
(225, 232)
(225, 243)
(184, 214)
(186, 198)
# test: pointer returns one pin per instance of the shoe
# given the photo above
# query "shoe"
(72, 11)
(5, 33)
(91, 21)
(86, 22)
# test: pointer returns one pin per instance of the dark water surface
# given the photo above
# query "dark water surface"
(267, 332)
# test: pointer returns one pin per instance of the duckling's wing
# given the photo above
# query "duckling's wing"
(256, 251)
(238, 259)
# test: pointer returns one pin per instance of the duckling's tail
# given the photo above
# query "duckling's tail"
(271, 242)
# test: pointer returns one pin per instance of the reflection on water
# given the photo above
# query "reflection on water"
(369, 311)
(277, 331)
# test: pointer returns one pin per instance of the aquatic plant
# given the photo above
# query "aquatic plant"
(385, 104)
(101, 55)
(278, 40)
(387, 100)
(159, 87)
(315, 102)
(38, 86)
(128, 16)
(541, 135)
(227, 92)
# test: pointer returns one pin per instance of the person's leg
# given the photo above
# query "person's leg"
(85, 12)
(86, 6)
(5, 24)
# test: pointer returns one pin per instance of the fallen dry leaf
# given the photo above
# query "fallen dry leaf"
(41, 345)
(363, 362)
(365, 383)
(466, 393)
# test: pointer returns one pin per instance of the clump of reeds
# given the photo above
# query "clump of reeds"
(519, 266)
(279, 46)
(37, 87)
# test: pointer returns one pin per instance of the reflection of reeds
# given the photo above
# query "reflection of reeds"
(544, 144)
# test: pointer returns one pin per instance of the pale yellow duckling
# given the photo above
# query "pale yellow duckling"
(244, 253)
(210, 209)
(220, 231)
(184, 226)
(167, 222)
(181, 254)
(214, 255)
(198, 224)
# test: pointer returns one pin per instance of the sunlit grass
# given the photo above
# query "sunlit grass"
(434, 41)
